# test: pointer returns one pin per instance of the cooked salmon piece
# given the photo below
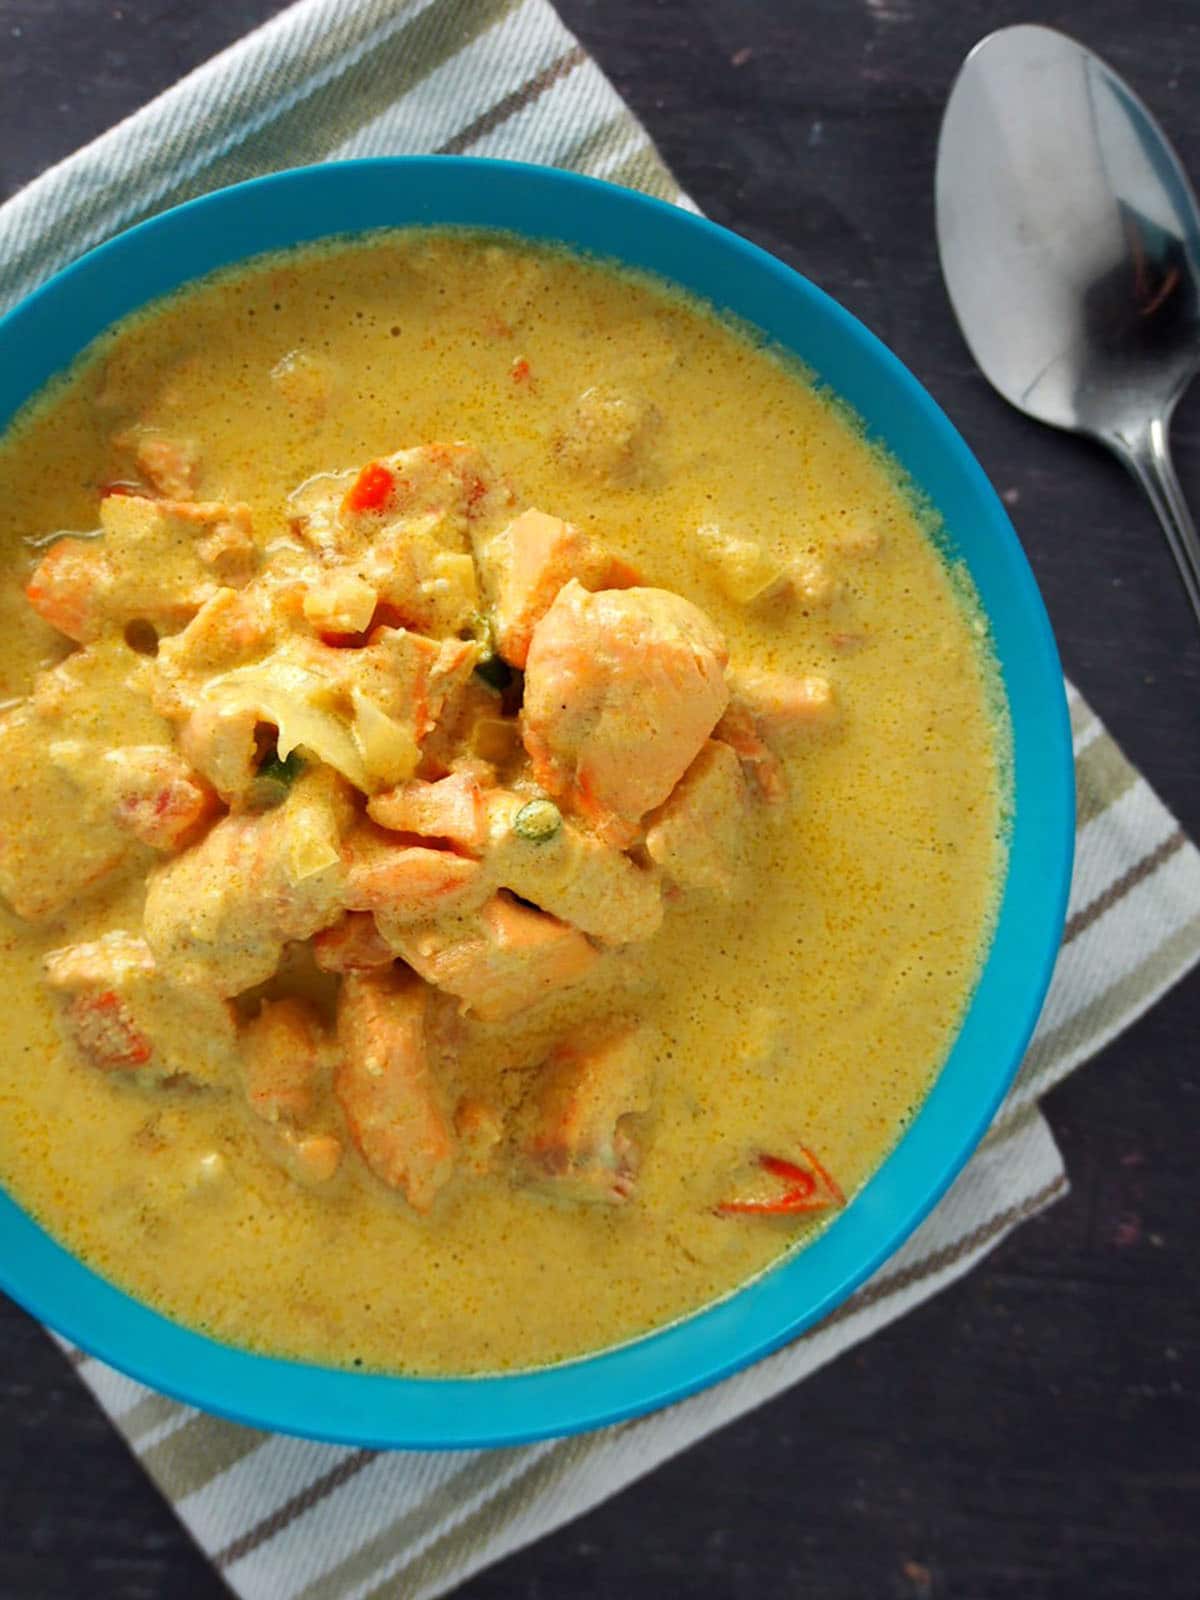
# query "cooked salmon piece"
(622, 688)
(283, 1049)
(148, 566)
(169, 464)
(610, 436)
(226, 546)
(386, 1087)
(698, 837)
(66, 588)
(352, 944)
(122, 1013)
(450, 808)
(526, 565)
(569, 872)
(158, 797)
(768, 709)
(284, 1052)
(580, 1138)
(403, 883)
(508, 958)
(783, 705)
(222, 912)
(739, 729)
(58, 758)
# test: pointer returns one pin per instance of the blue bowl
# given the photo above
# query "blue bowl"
(53, 326)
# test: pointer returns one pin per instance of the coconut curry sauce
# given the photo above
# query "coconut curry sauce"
(499, 826)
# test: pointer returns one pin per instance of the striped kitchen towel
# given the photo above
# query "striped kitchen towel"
(292, 1520)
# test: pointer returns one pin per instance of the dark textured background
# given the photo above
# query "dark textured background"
(1033, 1432)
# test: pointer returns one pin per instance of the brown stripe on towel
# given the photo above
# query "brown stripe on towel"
(320, 1489)
(1116, 891)
(517, 100)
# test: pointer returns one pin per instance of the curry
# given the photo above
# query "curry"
(501, 805)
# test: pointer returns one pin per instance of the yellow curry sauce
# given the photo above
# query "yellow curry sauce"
(802, 1003)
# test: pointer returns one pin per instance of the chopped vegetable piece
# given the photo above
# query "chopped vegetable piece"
(371, 490)
(538, 821)
(285, 771)
(274, 781)
(807, 1188)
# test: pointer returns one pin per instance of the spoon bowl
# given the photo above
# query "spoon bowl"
(1069, 239)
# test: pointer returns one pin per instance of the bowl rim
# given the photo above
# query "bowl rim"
(45, 332)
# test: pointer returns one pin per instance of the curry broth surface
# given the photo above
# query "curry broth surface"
(815, 1006)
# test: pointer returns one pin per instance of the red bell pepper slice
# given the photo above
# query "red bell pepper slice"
(806, 1188)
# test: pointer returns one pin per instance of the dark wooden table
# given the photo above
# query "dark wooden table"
(1033, 1432)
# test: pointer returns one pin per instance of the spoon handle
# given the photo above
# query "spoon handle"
(1147, 454)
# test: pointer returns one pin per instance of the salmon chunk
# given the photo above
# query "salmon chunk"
(283, 1048)
(66, 588)
(622, 688)
(222, 912)
(784, 705)
(611, 436)
(451, 808)
(169, 464)
(122, 1013)
(510, 958)
(352, 944)
(698, 837)
(57, 760)
(284, 1051)
(739, 729)
(580, 1138)
(768, 711)
(157, 796)
(149, 565)
(44, 870)
(386, 1088)
(569, 872)
(526, 565)
(233, 627)
(404, 883)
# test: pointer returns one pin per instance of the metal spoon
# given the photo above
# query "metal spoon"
(1070, 243)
